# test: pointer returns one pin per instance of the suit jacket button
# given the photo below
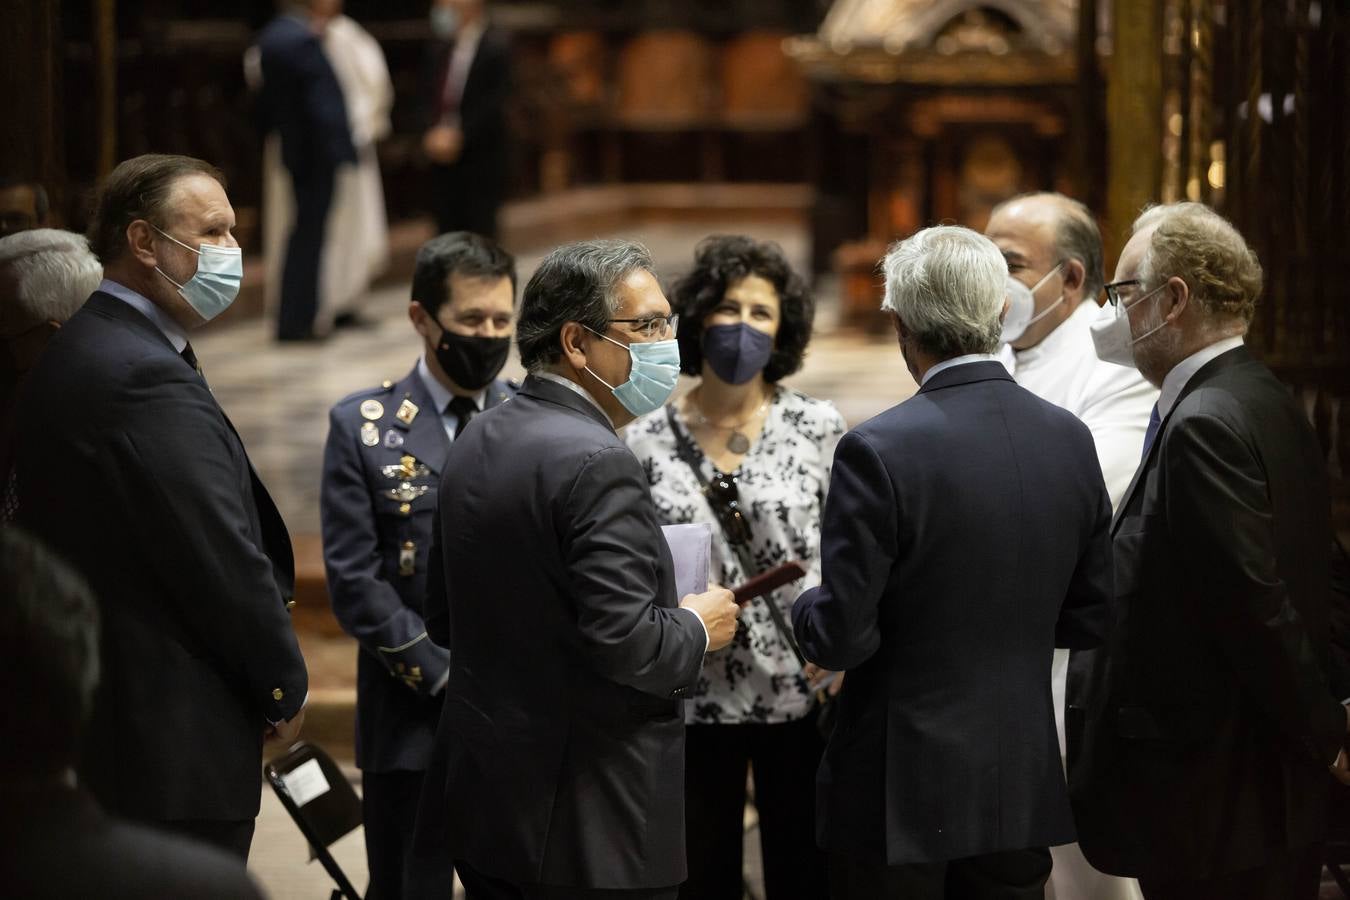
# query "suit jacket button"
(277, 694)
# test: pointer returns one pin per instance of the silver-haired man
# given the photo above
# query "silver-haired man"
(965, 537)
(45, 275)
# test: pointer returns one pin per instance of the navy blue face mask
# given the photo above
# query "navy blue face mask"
(736, 352)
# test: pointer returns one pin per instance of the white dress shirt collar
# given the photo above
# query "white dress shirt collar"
(143, 305)
(1184, 371)
(574, 388)
(958, 361)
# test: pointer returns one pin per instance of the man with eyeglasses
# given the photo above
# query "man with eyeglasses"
(1054, 254)
(561, 747)
(1201, 734)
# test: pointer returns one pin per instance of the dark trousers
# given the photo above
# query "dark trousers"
(300, 273)
(231, 836)
(1294, 876)
(478, 886)
(783, 758)
(389, 811)
(466, 198)
(1010, 875)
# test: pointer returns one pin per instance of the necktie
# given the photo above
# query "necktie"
(464, 409)
(191, 359)
(1154, 423)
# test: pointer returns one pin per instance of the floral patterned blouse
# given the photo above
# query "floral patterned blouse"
(781, 483)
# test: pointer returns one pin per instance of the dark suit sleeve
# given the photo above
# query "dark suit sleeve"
(836, 623)
(1218, 509)
(1085, 618)
(182, 479)
(610, 548)
(368, 607)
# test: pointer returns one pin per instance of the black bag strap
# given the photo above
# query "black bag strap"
(685, 450)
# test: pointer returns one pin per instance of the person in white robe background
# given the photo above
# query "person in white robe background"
(356, 239)
(1054, 253)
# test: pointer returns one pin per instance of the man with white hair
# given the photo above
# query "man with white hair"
(965, 537)
(1201, 734)
(45, 275)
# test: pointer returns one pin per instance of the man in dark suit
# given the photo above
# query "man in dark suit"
(301, 100)
(1201, 733)
(385, 455)
(128, 467)
(468, 78)
(964, 538)
(55, 842)
(562, 736)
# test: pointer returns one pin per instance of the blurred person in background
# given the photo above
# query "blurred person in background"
(23, 205)
(765, 450)
(356, 243)
(55, 840)
(468, 78)
(45, 275)
(301, 101)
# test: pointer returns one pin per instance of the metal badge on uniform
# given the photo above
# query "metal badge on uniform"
(408, 467)
(407, 558)
(370, 435)
(407, 492)
(393, 439)
(371, 409)
(407, 411)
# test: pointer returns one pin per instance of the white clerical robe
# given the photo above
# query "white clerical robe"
(1114, 402)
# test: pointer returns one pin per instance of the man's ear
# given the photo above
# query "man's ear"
(1177, 296)
(1003, 313)
(420, 318)
(141, 242)
(898, 325)
(572, 340)
(1073, 273)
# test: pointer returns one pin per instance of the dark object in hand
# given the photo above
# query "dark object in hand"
(768, 581)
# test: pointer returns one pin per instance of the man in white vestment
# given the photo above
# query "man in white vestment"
(1055, 273)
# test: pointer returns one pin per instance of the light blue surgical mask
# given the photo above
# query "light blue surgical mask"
(220, 271)
(656, 369)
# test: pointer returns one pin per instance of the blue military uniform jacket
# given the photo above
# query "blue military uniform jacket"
(382, 463)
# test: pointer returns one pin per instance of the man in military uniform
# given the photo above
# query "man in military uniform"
(385, 453)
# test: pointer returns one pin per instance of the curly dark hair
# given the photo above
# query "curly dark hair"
(719, 262)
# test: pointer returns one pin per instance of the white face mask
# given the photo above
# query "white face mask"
(1112, 339)
(1022, 306)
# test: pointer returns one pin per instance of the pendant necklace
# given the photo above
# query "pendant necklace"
(737, 442)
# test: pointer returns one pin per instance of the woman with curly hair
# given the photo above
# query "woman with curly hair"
(752, 459)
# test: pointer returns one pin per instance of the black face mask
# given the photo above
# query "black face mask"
(471, 361)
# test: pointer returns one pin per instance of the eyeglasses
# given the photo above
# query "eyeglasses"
(1113, 289)
(652, 326)
(1115, 299)
(726, 505)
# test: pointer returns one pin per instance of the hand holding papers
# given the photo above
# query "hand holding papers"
(691, 549)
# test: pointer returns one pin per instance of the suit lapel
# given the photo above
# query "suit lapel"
(1209, 370)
